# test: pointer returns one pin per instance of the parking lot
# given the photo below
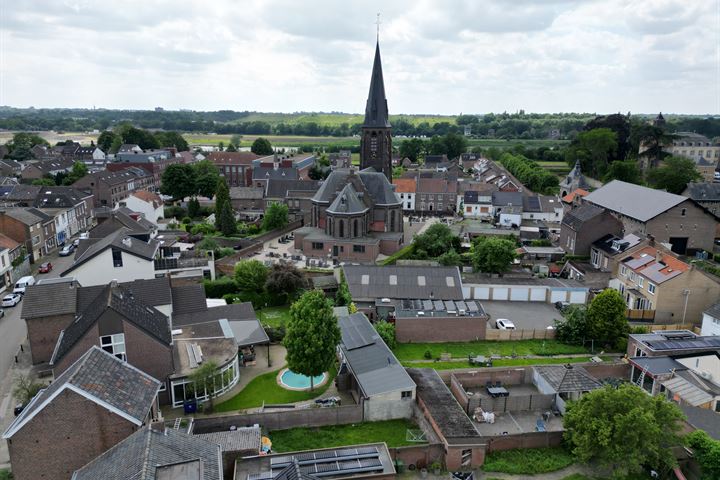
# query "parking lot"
(525, 315)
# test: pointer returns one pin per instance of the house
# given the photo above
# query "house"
(695, 146)
(584, 225)
(432, 321)
(606, 252)
(370, 371)
(262, 173)
(706, 194)
(475, 199)
(296, 194)
(282, 167)
(658, 286)
(147, 203)
(32, 228)
(586, 273)
(154, 162)
(573, 181)
(507, 208)
(711, 321)
(46, 168)
(5, 268)
(14, 248)
(355, 216)
(129, 148)
(157, 453)
(95, 404)
(547, 209)
(109, 188)
(468, 160)
(406, 188)
(248, 200)
(669, 218)
(573, 199)
(10, 168)
(567, 382)
(236, 167)
(436, 196)
(662, 343)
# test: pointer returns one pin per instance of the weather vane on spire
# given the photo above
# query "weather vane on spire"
(377, 22)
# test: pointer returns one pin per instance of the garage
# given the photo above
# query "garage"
(538, 294)
(558, 296)
(500, 293)
(481, 293)
(578, 297)
(519, 294)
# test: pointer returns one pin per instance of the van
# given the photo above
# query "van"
(24, 282)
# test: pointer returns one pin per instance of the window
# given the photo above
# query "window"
(640, 281)
(36, 239)
(317, 245)
(623, 270)
(651, 288)
(683, 212)
(115, 345)
(595, 258)
(117, 257)
(466, 457)
(406, 394)
(359, 248)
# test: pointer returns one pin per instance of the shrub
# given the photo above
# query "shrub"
(386, 331)
(223, 252)
(528, 461)
(204, 228)
(218, 288)
(276, 334)
(174, 211)
(187, 220)
(427, 355)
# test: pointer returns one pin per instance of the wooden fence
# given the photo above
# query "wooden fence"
(503, 335)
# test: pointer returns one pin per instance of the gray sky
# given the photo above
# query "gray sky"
(444, 56)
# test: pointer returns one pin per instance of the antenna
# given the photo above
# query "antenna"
(377, 22)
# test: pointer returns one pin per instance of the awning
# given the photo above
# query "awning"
(248, 332)
(687, 392)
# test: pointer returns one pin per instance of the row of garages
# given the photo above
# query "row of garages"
(543, 290)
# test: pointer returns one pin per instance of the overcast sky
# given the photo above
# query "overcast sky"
(443, 56)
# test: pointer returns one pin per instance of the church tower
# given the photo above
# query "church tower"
(376, 140)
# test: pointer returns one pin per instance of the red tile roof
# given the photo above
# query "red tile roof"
(404, 185)
(7, 242)
(577, 192)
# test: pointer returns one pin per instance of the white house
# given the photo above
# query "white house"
(149, 204)
(405, 189)
(5, 268)
(711, 321)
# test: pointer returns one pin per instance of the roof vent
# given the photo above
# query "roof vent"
(568, 366)
(127, 241)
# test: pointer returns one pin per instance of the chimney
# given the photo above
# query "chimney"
(127, 241)
(157, 427)
(651, 240)
(113, 283)
(658, 256)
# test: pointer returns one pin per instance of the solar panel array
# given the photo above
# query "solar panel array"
(329, 463)
(354, 338)
(710, 343)
(533, 203)
(442, 305)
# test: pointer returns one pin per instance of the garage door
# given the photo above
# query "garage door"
(578, 297)
(519, 294)
(481, 293)
(500, 293)
(537, 294)
(558, 296)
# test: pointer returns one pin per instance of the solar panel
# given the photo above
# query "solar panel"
(325, 454)
(449, 305)
(305, 456)
(438, 304)
(366, 450)
(281, 460)
(461, 305)
(356, 338)
(427, 305)
(472, 307)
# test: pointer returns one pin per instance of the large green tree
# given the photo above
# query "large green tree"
(172, 139)
(607, 319)
(649, 140)
(79, 170)
(412, 148)
(595, 149)
(573, 328)
(386, 330)
(706, 451)
(623, 429)
(251, 275)
(284, 280)
(674, 174)
(312, 335)
(178, 181)
(261, 146)
(627, 171)
(276, 216)
(21, 143)
(106, 139)
(206, 177)
(224, 216)
(492, 255)
(137, 136)
(436, 240)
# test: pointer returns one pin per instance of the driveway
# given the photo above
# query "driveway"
(525, 315)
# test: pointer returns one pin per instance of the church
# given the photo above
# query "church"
(356, 214)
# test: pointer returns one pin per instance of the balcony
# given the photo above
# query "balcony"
(184, 260)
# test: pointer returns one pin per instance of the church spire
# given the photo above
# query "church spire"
(376, 109)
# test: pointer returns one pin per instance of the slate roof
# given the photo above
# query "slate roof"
(576, 217)
(146, 453)
(103, 379)
(122, 301)
(634, 201)
(243, 438)
(188, 299)
(43, 299)
(234, 311)
(266, 173)
(714, 310)
(246, 193)
(375, 367)
(503, 199)
(703, 419)
(376, 108)
(658, 365)
(151, 292)
(606, 243)
(703, 192)
(28, 216)
(447, 413)
(374, 183)
(373, 281)
(347, 202)
(563, 379)
(58, 197)
(279, 187)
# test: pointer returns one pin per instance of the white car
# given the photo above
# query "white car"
(504, 324)
(11, 300)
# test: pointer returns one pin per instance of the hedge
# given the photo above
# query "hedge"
(220, 287)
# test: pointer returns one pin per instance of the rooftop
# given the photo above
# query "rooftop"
(568, 378)
(576, 217)
(676, 341)
(634, 201)
(439, 308)
(656, 265)
(373, 281)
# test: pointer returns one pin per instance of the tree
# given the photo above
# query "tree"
(172, 139)
(226, 220)
(25, 388)
(284, 279)
(435, 241)
(21, 143)
(116, 144)
(231, 147)
(276, 216)
(450, 258)
(79, 170)
(193, 207)
(623, 429)
(607, 320)
(342, 296)
(206, 177)
(45, 182)
(412, 148)
(318, 172)
(455, 144)
(106, 140)
(574, 327)
(706, 451)
(202, 381)
(595, 149)
(674, 174)
(178, 181)
(626, 171)
(143, 138)
(251, 275)
(261, 146)
(650, 140)
(386, 330)
(312, 335)
(492, 255)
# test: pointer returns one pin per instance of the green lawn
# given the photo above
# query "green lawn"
(393, 432)
(416, 351)
(504, 362)
(264, 389)
(274, 316)
(528, 461)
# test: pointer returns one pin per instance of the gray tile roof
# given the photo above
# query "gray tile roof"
(246, 193)
(503, 199)
(152, 292)
(703, 192)
(243, 438)
(103, 379)
(373, 183)
(42, 300)
(279, 188)
(703, 419)
(563, 379)
(266, 173)
(347, 202)
(658, 365)
(576, 217)
(234, 311)
(188, 299)
(634, 201)
(714, 310)
(146, 453)
(373, 281)
(375, 367)
(26, 216)
(376, 108)
(248, 332)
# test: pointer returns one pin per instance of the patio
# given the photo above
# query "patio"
(514, 423)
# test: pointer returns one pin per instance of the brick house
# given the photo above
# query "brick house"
(154, 162)
(406, 188)
(248, 200)
(109, 188)
(584, 225)
(296, 194)
(436, 196)
(669, 218)
(236, 167)
(32, 228)
(45, 168)
(95, 404)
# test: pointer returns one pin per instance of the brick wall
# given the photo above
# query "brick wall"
(525, 440)
(147, 353)
(43, 334)
(51, 446)
(91, 337)
(697, 225)
(440, 329)
(419, 455)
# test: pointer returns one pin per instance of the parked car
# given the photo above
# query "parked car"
(504, 324)
(11, 300)
(67, 250)
(23, 283)
(76, 242)
(45, 267)
(562, 305)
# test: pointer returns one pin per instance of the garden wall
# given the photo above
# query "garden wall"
(418, 455)
(512, 403)
(525, 440)
(504, 335)
(306, 417)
